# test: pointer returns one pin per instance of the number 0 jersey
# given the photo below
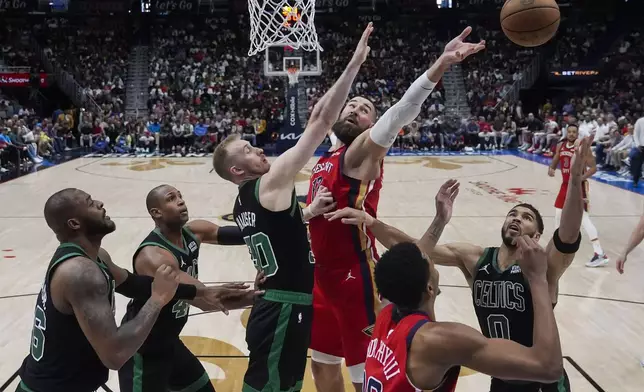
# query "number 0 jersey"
(502, 300)
(61, 357)
(386, 364)
(277, 241)
(174, 315)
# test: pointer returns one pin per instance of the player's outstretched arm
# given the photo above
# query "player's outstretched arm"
(325, 113)
(372, 146)
(636, 238)
(86, 290)
(566, 239)
(140, 286)
(208, 298)
(458, 344)
(211, 233)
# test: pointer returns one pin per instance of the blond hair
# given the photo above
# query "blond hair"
(221, 158)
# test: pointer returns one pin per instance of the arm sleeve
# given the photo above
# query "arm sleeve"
(402, 113)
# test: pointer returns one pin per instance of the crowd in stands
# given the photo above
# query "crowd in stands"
(95, 52)
(203, 87)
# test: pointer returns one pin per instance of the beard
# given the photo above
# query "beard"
(346, 131)
(99, 228)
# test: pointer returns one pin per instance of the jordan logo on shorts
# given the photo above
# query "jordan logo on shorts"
(349, 276)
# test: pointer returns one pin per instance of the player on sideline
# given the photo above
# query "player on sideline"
(500, 316)
(411, 351)
(268, 213)
(344, 300)
(163, 362)
(564, 154)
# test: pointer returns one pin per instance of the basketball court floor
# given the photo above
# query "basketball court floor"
(600, 313)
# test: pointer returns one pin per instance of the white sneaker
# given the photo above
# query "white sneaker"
(597, 261)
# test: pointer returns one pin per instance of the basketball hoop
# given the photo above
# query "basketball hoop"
(282, 22)
(292, 74)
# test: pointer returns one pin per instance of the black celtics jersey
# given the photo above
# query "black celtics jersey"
(174, 315)
(61, 358)
(278, 241)
(502, 300)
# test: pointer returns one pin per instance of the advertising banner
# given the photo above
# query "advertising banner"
(292, 128)
(15, 79)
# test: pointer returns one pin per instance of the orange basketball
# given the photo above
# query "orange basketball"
(530, 22)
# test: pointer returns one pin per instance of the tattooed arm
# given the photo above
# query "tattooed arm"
(85, 289)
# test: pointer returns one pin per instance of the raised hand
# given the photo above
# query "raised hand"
(445, 199)
(363, 49)
(322, 202)
(457, 49)
(582, 154)
(532, 258)
(350, 216)
(165, 284)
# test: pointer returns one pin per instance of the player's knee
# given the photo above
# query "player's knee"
(327, 371)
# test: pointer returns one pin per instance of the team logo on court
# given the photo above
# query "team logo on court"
(152, 164)
(512, 194)
(441, 163)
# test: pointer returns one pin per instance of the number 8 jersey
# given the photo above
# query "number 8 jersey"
(277, 241)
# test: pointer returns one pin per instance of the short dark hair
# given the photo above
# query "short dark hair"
(402, 275)
(537, 214)
(153, 199)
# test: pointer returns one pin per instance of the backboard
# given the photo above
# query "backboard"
(278, 58)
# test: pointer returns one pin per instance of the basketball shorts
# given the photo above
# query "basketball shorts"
(278, 336)
(172, 369)
(563, 385)
(344, 307)
(561, 197)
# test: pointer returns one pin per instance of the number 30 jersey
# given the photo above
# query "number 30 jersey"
(174, 316)
(61, 358)
(277, 241)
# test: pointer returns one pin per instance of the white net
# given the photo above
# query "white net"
(282, 22)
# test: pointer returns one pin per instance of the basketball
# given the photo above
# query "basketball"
(530, 23)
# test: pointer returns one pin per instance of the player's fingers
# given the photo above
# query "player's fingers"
(455, 185)
(465, 33)
(351, 221)
(447, 184)
(326, 199)
(367, 31)
(454, 194)
(322, 189)
(521, 243)
(329, 207)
